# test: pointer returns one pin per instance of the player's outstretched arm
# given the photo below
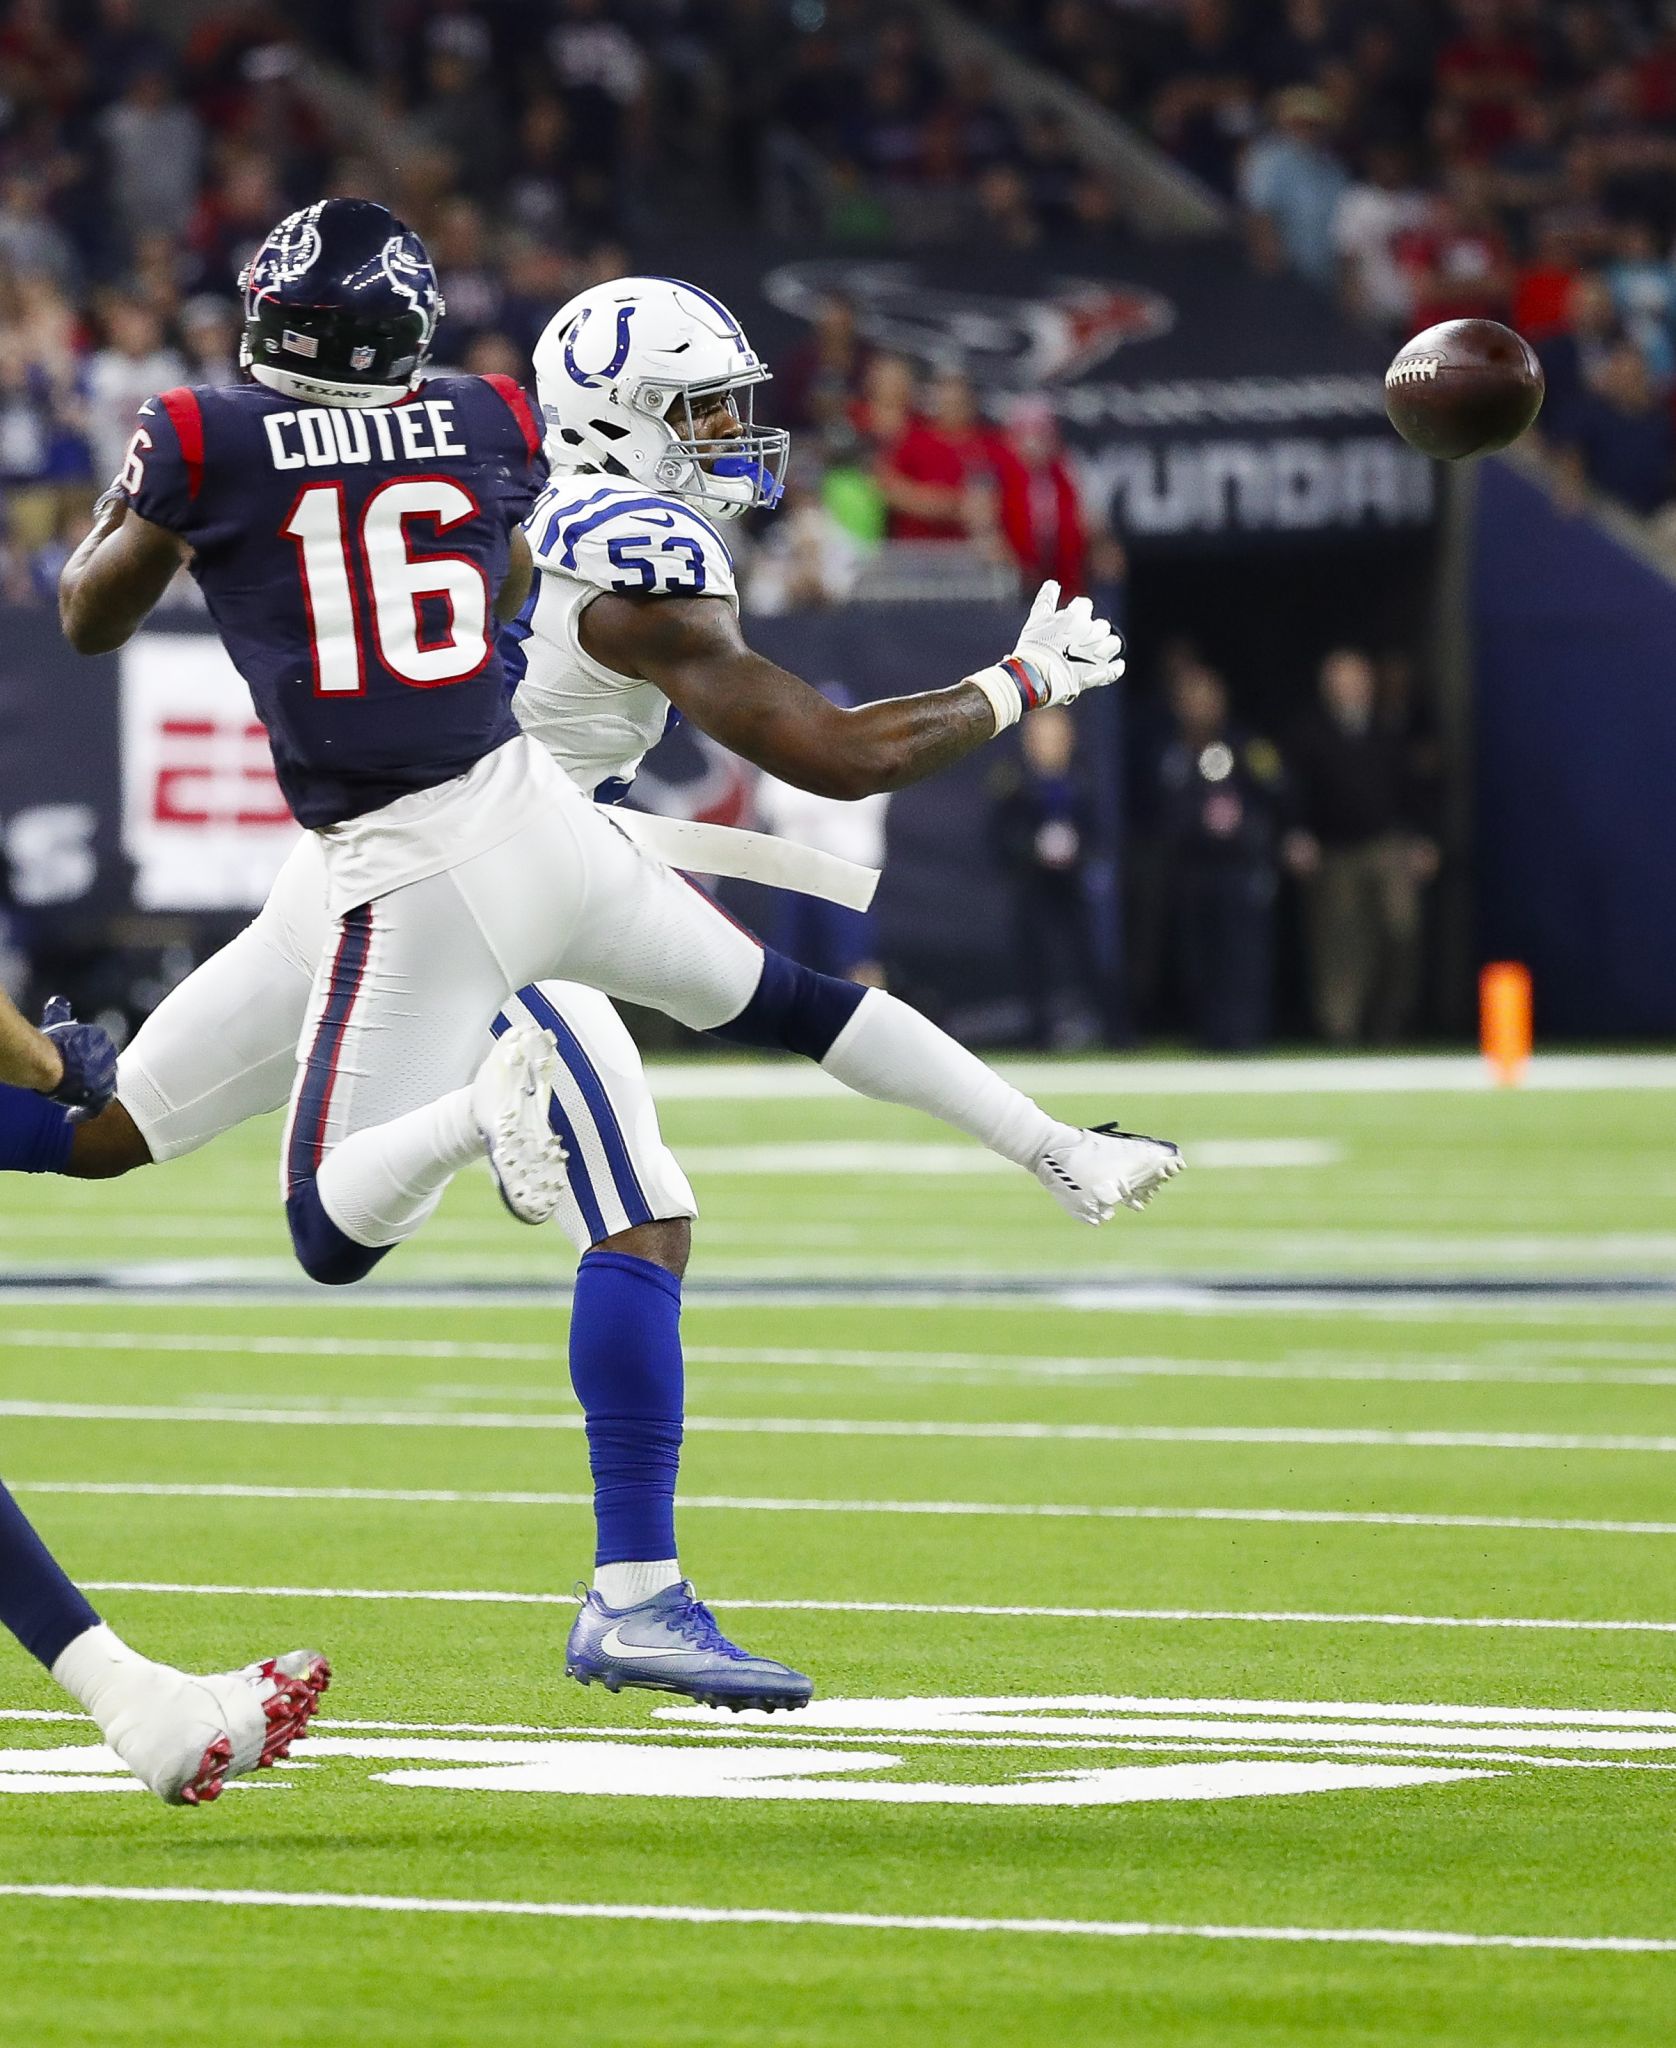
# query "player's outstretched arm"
(115, 578)
(694, 651)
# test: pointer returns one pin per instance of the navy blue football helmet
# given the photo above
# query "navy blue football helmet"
(341, 305)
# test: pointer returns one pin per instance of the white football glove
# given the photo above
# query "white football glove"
(1060, 653)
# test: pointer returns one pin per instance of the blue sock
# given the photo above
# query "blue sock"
(35, 1132)
(37, 1602)
(626, 1367)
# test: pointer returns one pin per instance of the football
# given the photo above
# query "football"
(1466, 387)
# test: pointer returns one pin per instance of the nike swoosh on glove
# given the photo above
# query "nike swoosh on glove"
(89, 1055)
(1061, 651)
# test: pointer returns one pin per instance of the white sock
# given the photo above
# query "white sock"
(626, 1585)
(894, 1054)
(379, 1185)
(100, 1671)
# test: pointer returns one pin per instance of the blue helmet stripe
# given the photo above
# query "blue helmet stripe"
(715, 306)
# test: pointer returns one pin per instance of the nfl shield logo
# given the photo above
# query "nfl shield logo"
(361, 358)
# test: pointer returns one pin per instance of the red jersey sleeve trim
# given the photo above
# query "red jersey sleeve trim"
(185, 416)
(519, 405)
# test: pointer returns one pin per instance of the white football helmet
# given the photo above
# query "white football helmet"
(622, 373)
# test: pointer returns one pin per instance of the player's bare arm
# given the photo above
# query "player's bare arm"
(115, 579)
(520, 573)
(693, 649)
(28, 1058)
(73, 1063)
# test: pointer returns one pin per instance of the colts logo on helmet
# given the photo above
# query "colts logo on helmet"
(289, 253)
(590, 379)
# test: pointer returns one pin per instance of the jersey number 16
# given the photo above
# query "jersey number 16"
(333, 562)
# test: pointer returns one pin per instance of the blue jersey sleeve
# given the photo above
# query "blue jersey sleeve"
(163, 470)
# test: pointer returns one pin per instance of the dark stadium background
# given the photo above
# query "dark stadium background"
(1179, 240)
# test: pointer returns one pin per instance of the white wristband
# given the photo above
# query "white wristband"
(1006, 699)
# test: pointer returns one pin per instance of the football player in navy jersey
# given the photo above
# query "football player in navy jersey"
(449, 883)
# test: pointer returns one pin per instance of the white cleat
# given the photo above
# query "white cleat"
(1093, 1172)
(186, 1738)
(510, 1099)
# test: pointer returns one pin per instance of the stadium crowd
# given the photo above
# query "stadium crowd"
(135, 176)
(535, 141)
(1431, 159)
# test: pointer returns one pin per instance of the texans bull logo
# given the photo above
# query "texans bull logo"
(1002, 342)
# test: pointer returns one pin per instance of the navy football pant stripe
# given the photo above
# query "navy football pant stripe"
(610, 1131)
(314, 1098)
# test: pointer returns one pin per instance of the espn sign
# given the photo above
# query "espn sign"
(203, 820)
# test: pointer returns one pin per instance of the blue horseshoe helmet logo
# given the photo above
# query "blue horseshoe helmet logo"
(590, 379)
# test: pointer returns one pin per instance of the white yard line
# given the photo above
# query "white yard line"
(230, 1345)
(426, 1496)
(473, 1597)
(883, 1923)
(264, 1285)
(1425, 1074)
(841, 1156)
(1420, 1372)
(831, 1426)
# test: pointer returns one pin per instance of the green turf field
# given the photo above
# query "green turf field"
(1198, 1662)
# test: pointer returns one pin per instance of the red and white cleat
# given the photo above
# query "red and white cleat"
(187, 1737)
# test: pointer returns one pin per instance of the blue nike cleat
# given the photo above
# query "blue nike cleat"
(671, 1643)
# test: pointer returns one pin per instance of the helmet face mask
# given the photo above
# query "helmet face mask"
(627, 374)
(341, 305)
(715, 471)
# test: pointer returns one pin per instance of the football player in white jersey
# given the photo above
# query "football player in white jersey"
(646, 387)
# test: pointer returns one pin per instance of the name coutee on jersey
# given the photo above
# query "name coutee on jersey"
(350, 558)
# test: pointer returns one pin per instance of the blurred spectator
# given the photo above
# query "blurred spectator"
(1218, 798)
(602, 75)
(121, 376)
(1483, 71)
(46, 561)
(1591, 331)
(1040, 507)
(1371, 222)
(1643, 288)
(30, 241)
(1459, 262)
(809, 556)
(1291, 185)
(938, 472)
(473, 287)
(1619, 436)
(1203, 109)
(209, 335)
(1547, 283)
(155, 144)
(1043, 827)
(1008, 218)
(461, 112)
(819, 379)
(1363, 859)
